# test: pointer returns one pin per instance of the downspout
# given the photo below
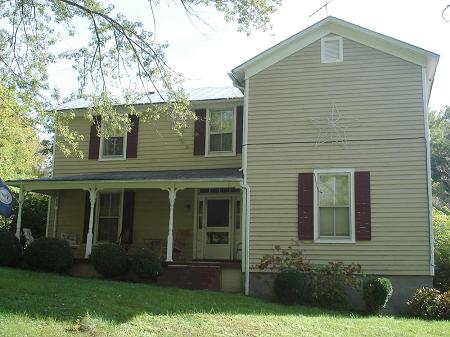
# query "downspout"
(428, 167)
(246, 187)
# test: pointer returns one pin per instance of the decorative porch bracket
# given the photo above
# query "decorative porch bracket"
(90, 235)
(172, 196)
(19, 213)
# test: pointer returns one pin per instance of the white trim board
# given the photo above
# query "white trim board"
(348, 30)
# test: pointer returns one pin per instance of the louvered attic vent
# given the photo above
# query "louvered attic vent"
(331, 49)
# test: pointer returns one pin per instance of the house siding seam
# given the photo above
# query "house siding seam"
(380, 97)
(160, 148)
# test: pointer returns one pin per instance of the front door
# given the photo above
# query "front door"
(218, 231)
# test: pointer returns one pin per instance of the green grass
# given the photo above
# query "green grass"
(38, 304)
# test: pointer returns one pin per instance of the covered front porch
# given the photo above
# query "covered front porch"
(182, 216)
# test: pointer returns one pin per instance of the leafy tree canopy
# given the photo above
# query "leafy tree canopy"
(118, 50)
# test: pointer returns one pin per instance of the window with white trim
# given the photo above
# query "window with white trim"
(334, 205)
(109, 216)
(221, 126)
(332, 49)
(113, 147)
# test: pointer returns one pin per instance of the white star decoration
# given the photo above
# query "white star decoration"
(334, 128)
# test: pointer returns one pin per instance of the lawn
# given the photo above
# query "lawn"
(39, 304)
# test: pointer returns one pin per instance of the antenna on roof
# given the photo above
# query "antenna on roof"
(322, 7)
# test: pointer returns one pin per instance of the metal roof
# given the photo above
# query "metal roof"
(172, 175)
(195, 94)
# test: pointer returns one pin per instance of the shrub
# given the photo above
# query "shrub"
(146, 265)
(109, 259)
(290, 287)
(10, 249)
(285, 259)
(49, 254)
(376, 294)
(441, 279)
(330, 282)
(430, 303)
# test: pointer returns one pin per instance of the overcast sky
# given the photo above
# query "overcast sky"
(205, 53)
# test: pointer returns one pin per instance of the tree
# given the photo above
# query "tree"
(119, 49)
(440, 156)
(19, 144)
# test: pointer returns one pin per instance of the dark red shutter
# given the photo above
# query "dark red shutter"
(132, 138)
(200, 132)
(127, 217)
(362, 206)
(94, 140)
(306, 206)
(239, 120)
(87, 212)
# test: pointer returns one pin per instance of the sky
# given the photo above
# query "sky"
(205, 53)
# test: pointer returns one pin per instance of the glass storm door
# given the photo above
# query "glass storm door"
(218, 234)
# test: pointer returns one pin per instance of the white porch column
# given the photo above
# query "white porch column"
(90, 235)
(172, 196)
(19, 213)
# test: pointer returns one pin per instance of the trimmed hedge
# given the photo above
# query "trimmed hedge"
(146, 265)
(376, 294)
(10, 248)
(290, 287)
(109, 259)
(49, 254)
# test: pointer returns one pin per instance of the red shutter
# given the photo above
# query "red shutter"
(127, 217)
(132, 138)
(306, 206)
(239, 118)
(94, 141)
(200, 132)
(87, 212)
(362, 206)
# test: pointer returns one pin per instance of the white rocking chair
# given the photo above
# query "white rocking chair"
(28, 236)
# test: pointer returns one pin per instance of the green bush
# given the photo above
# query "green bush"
(146, 265)
(290, 287)
(376, 294)
(109, 259)
(10, 249)
(441, 226)
(49, 254)
(430, 303)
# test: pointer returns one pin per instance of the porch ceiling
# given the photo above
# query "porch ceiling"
(226, 177)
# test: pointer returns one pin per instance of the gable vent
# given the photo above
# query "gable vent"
(331, 49)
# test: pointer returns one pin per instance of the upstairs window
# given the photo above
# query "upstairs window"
(334, 205)
(220, 128)
(113, 147)
(331, 49)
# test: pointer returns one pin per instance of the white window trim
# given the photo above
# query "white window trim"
(322, 49)
(317, 238)
(233, 136)
(112, 158)
(97, 213)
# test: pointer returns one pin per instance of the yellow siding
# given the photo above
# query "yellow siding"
(379, 97)
(159, 148)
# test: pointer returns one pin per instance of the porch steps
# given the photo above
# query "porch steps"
(199, 277)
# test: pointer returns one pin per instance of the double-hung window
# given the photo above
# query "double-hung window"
(220, 127)
(334, 205)
(113, 147)
(109, 216)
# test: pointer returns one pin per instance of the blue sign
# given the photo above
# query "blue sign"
(6, 200)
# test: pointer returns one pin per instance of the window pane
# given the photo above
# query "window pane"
(215, 123)
(331, 49)
(104, 204)
(215, 238)
(113, 146)
(221, 142)
(227, 142)
(342, 221)
(237, 213)
(341, 192)
(108, 229)
(115, 204)
(227, 121)
(326, 225)
(326, 188)
(218, 213)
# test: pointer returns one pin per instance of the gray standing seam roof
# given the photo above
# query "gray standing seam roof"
(175, 175)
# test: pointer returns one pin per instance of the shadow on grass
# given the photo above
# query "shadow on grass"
(64, 298)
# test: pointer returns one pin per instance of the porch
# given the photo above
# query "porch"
(188, 217)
